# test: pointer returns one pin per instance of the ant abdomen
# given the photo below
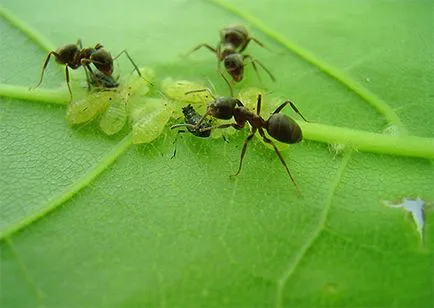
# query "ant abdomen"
(236, 35)
(103, 61)
(283, 129)
(67, 52)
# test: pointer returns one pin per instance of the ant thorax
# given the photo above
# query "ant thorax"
(243, 115)
(227, 49)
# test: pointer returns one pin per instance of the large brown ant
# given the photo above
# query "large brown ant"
(74, 55)
(233, 41)
(278, 125)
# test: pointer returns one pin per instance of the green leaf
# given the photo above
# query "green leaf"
(90, 220)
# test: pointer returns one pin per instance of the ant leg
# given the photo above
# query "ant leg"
(243, 151)
(79, 44)
(191, 126)
(228, 83)
(131, 60)
(257, 42)
(234, 125)
(174, 142)
(293, 108)
(266, 140)
(67, 80)
(297, 111)
(47, 59)
(201, 90)
(254, 61)
(199, 47)
(258, 105)
(136, 68)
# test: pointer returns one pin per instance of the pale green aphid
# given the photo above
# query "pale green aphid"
(134, 88)
(112, 104)
(87, 108)
(149, 119)
(115, 116)
(176, 89)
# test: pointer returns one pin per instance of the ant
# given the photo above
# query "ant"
(234, 39)
(74, 55)
(278, 125)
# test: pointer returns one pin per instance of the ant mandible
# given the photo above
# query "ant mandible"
(233, 41)
(278, 125)
(74, 55)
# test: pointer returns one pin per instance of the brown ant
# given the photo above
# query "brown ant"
(74, 55)
(278, 125)
(233, 41)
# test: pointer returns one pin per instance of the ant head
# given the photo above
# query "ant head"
(283, 129)
(234, 66)
(236, 35)
(223, 107)
(103, 61)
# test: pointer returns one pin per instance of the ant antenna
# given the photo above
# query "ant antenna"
(201, 90)
(136, 68)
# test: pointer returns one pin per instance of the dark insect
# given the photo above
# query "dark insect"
(278, 126)
(192, 117)
(234, 39)
(74, 55)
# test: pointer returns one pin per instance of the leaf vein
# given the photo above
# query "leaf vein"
(292, 265)
(40, 295)
(71, 190)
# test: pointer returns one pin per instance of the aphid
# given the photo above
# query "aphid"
(87, 108)
(115, 116)
(112, 103)
(149, 119)
(74, 55)
(233, 41)
(278, 126)
(176, 89)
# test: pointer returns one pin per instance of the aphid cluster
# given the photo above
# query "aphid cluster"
(117, 102)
